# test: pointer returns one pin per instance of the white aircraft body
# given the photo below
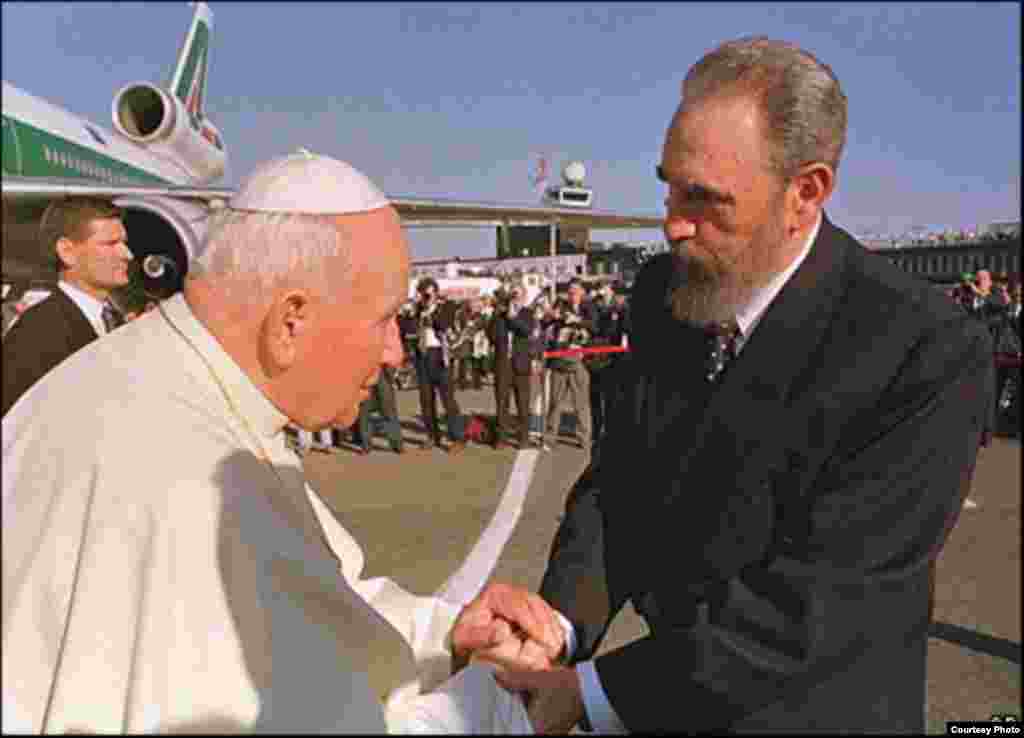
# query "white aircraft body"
(160, 164)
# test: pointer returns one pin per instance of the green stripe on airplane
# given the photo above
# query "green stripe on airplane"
(195, 55)
(32, 152)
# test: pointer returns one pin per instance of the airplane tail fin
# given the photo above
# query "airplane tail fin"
(188, 83)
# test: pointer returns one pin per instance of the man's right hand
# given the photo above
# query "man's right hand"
(515, 652)
(499, 614)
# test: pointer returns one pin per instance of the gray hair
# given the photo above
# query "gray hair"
(267, 249)
(802, 104)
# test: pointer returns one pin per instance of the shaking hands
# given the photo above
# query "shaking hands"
(509, 626)
(520, 633)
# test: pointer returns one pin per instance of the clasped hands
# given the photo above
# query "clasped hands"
(518, 632)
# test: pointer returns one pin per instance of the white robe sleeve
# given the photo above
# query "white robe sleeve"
(471, 701)
(424, 622)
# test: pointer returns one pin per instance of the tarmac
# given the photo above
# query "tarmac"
(420, 514)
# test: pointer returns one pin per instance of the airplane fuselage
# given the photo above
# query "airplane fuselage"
(43, 140)
(157, 162)
(160, 150)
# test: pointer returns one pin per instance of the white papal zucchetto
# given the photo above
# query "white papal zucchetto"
(308, 183)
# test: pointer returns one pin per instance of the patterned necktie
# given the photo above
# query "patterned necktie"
(724, 341)
(111, 316)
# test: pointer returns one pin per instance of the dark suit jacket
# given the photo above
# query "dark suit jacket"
(46, 334)
(521, 327)
(780, 549)
(612, 330)
(589, 315)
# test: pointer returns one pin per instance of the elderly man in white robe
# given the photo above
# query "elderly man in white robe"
(198, 583)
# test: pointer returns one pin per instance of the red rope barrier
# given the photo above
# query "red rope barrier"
(1008, 361)
(589, 351)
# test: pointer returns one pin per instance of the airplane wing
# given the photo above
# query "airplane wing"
(165, 228)
(422, 212)
(27, 190)
(415, 212)
(165, 216)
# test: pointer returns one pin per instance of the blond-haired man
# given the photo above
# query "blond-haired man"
(87, 239)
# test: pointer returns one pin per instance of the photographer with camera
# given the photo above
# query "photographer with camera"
(433, 319)
(573, 327)
(614, 331)
(466, 352)
(978, 297)
(510, 332)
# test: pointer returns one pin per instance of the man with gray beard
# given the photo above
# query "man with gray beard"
(771, 499)
(703, 295)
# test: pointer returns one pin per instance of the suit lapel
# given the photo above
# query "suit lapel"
(743, 413)
(80, 330)
(723, 467)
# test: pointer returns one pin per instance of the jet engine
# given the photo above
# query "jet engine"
(163, 235)
(151, 117)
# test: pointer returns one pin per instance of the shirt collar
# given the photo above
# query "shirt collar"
(89, 305)
(751, 315)
(256, 409)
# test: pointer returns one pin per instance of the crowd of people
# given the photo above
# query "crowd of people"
(454, 345)
(997, 304)
(502, 340)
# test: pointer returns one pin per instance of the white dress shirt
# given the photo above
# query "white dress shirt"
(600, 713)
(428, 337)
(89, 305)
(194, 581)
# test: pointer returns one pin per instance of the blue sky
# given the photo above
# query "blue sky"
(458, 100)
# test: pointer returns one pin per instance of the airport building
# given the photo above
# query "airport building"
(593, 262)
(619, 262)
(559, 268)
(946, 262)
(536, 240)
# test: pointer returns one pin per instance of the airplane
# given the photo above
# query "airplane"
(160, 163)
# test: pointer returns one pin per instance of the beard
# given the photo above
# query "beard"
(706, 291)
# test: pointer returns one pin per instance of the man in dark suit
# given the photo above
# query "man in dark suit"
(510, 333)
(434, 317)
(617, 322)
(800, 475)
(87, 239)
(1015, 307)
(615, 331)
(990, 304)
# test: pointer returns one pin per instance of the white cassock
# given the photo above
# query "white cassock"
(167, 568)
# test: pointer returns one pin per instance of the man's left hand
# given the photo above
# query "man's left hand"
(554, 700)
(488, 619)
